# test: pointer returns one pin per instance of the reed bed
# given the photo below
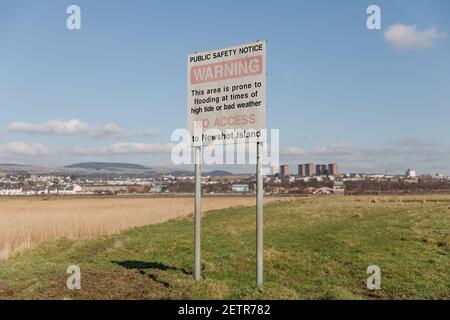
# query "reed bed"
(26, 222)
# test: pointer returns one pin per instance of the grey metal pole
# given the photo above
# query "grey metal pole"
(259, 217)
(198, 214)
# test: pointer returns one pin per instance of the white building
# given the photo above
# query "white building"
(240, 188)
(410, 173)
(11, 192)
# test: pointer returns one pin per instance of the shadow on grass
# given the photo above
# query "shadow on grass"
(141, 266)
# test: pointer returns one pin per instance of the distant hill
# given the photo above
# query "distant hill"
(218, 173)
(103, 169)
(13, 165)
(14, 168)
(104, 165)
(180, 173)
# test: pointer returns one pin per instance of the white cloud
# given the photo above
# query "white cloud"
(149, 132)
(77, 127)
(400, 36)
(427, 157)
(135, 148)
(73, 126)
(293, 151)
(107, 130)
(20, 148)
(416, 142)
(70, 127)
(333, 149)
(25, 149)
(122, 148)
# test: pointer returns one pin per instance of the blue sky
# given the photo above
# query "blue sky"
(371, 100)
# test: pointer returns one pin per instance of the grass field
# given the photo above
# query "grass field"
(315, 248)
(25, 222)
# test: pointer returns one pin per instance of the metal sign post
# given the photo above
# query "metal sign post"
(198, 213)
(259, 218)
(226, 99)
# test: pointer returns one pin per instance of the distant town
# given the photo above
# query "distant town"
(310, 179)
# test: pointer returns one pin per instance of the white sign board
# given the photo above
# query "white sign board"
(227, 94)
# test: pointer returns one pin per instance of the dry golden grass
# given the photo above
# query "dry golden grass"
(25, 222)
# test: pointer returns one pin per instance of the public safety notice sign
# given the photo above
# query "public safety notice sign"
(227, 94)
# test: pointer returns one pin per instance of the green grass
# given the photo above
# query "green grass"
(315, 248)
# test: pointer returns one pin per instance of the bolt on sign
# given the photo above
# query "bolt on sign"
(227, 95)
